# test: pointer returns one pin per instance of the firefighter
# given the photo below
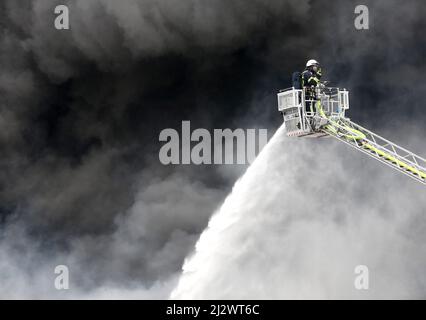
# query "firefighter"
(310, 80)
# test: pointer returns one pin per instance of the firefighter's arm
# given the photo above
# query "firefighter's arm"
(313, 81)
(314, 78)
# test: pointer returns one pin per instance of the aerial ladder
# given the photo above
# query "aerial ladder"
(321, 113)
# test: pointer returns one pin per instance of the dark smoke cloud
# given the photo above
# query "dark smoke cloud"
(81, 110)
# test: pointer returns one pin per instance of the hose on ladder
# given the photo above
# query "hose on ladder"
(332, 127)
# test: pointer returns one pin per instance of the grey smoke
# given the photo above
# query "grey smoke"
(148, 243)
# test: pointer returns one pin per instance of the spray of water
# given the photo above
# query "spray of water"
(305, 214)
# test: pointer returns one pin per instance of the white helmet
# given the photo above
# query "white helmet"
(311, 62)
